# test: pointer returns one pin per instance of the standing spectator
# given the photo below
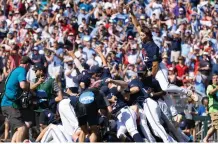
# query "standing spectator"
(182, 70)
(190, 111)
(175, 46)
(212, 92)
(15, 83)
(203, 108)
(205, 67)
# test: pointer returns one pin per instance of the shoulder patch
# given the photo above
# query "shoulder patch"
(87, 97)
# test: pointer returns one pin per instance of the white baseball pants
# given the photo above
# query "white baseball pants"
(167, 118)
(126, 122)
(68, 116)
(153, 114)
(56, 134)
(144, 126)
(162, 78)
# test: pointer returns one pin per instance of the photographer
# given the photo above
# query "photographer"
(46, 88)
(14, 86)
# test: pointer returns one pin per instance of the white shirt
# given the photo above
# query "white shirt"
(69, 79)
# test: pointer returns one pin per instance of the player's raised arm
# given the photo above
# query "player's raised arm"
(134, 20)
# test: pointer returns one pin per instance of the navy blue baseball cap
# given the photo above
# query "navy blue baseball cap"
(95, 69)
(39, 66)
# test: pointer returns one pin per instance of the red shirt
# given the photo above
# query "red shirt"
(197, 63)
(181, 70)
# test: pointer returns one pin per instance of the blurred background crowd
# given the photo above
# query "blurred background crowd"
(186, 31)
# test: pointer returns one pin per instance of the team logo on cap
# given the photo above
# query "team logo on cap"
(86, 97)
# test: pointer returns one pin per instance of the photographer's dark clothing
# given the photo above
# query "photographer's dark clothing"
(14, 116)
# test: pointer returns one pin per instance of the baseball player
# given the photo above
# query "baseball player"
(126, 117)
(88, 104)
(143, 121)
(158, 70)
(56, 134)
(139, 95)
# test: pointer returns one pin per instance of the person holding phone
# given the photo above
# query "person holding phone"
(48, 92)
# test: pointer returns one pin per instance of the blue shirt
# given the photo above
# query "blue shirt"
(152, 52)
(120, 103)
(57, 61)
(140, 96)
(185, 49)
(89, 52)
(12, 88)
(201, 110)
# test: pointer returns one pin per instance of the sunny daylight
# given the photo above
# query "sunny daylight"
(136, 71)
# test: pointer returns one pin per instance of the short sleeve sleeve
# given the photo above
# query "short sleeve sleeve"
(209, 88)
(22, 76)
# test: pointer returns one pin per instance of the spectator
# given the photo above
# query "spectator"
(212, 94)
(203, 108)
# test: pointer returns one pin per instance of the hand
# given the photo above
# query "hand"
(149, 90)
(114, 99)
(109, 80)
(97, 50)
(70, 53)
(41, 80)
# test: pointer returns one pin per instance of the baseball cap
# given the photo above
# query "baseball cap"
(26, 60)
(84, 78)
(95, 69)
(39, 67)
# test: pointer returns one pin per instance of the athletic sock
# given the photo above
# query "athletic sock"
(137, 138)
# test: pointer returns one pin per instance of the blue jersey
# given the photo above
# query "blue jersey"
(151, 51)
(120, 103)
(140, 96)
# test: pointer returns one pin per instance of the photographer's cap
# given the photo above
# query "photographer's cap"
(26, 60)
